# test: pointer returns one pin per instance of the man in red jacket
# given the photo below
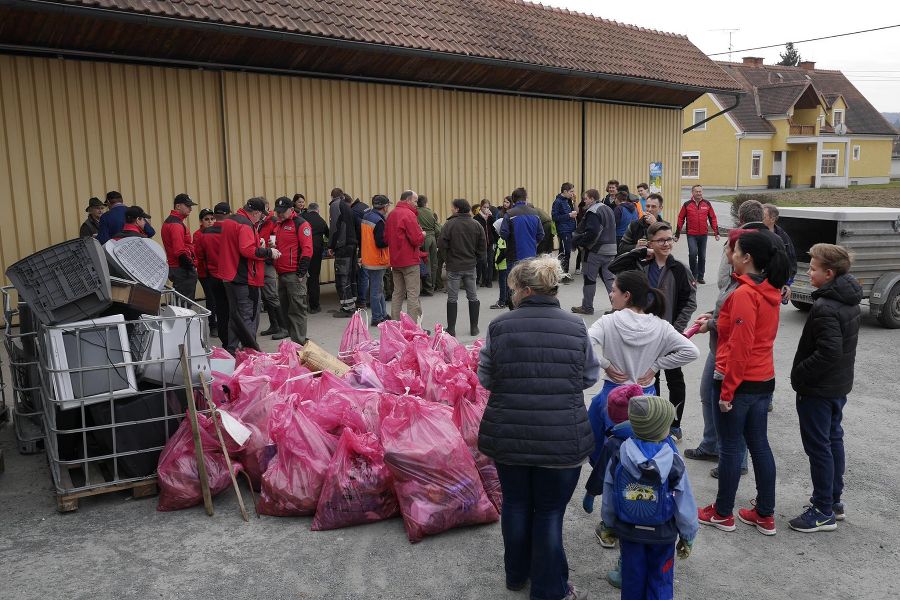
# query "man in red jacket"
(207, 248)
(697, 211)
(405, 237)
(269, 292)
(241, 267)
(179, 247)
(293, 239)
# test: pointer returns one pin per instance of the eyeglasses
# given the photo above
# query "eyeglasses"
(663, 242)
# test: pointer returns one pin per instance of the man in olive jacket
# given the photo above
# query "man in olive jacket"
(463, 243)
(430, 224)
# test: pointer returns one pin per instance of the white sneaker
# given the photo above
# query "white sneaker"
(578, 271)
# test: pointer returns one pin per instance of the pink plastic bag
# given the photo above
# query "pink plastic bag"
(335, 412)
(392, 343)
(358, 486)
(449, 348)
(467, 418)
(243, 354)
(220, 388)
(435, 477)
(356, 333)
(473, 350)
(179, 482)
(287, 356)
(253, 406)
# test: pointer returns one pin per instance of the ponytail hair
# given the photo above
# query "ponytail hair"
(768, 254)
(650, 300)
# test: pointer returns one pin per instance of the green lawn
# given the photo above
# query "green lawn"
(883, 194)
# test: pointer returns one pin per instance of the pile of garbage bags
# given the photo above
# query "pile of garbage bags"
(396, 435)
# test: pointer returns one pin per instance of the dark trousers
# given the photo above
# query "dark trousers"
(648, 571)
(344, 281)
(748, 418)
(504, 287)
(243, 315)
(823, 442)
(677, 392)
(534, 503)
(269, 293)
(565, 250)
(315, 273)
(218, 292)
(362, 285)
(292, 298)
(210, 300)
(184, 281)
(697, 255)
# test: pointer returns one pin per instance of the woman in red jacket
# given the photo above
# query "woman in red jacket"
(744, 379)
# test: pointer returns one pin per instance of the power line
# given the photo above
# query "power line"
(827, 37)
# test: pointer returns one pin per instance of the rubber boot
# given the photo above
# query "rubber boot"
(473, 317)
(274, 321)
(451, 318)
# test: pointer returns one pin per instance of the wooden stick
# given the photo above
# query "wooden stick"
(214, 413)
(195, 427)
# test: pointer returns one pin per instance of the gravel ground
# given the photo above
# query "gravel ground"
(116, 547)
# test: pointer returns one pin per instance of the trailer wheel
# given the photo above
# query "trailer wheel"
(800, 305)
(890, 311)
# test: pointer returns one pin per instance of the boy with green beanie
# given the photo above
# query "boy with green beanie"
(648, 502)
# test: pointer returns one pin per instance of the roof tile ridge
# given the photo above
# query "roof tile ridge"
(555, 9)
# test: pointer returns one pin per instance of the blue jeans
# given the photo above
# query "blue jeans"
(362, 293)
(747, 419)
(823, 442)
(375, 279)
(504, 288)
(709, 398)
(534, 503)
(648, 570)
(697, 255)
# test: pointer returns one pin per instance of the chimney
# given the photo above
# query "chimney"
(807, 65)
(753, 61)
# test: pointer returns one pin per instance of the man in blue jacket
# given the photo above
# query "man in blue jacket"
(113, 220)
(521, 228)
(563, 213)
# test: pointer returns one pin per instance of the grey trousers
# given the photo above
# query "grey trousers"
(184, 281)
(292, 297)
(243, 315)
(468, 281)
(595, 265)
(270, 289)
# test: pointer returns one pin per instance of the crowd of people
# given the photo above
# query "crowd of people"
(537, 358)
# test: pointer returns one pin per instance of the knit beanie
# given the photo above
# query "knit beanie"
(650, 417)
(617, 401)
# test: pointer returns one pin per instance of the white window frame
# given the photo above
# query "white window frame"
(756, 157)
(834, 117)
(857, 152)
(829, 154)
(690, 155)
(702, 114)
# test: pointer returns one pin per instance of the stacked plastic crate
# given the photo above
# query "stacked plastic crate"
(20, 342)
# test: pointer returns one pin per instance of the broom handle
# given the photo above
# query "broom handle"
(195, 429)
(216, 417)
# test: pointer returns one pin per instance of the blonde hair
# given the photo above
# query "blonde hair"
(541, 274)
(836, 258)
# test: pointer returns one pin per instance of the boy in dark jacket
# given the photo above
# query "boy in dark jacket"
(564, 214)
(822, 376)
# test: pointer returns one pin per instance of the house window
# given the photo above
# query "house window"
(829, 162)
(690, 165)
(838, 117)
(856, 152)
(699, 115)
(756, 164)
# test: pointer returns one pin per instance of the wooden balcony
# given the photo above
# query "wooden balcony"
(802, 129)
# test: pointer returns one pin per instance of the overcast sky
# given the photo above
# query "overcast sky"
(870, 60)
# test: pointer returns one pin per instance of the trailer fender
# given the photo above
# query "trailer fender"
(882, 288)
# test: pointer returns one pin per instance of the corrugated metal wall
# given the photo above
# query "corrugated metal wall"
(72, 130)
(75, 129)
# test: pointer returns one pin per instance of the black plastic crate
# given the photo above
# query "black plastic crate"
(65, 282)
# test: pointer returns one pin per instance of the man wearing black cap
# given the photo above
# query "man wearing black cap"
(135, 221)
(242, 269)
(91, 225)
(208, 247)
(319, 234)
(113, 220)
(293, 239)
(179, 247)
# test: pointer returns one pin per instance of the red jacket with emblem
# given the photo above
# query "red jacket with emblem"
(207, 245)
(404, 235)
(241, 259)
(202, 271)
(293, 238)
(696, 214)
(177, 240)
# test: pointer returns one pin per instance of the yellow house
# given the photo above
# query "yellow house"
(794, 127)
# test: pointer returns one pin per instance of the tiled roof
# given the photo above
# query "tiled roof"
(772, 86)
(504, 30)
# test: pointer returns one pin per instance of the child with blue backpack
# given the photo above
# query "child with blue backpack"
(648, 502)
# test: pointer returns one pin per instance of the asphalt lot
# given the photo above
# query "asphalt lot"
(116, 547)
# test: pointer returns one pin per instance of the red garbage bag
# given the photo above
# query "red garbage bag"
(293, 478)
(336, 412)
(356, 333)
(358, 486)
(179, 481)
(435, 477)
(467, 418)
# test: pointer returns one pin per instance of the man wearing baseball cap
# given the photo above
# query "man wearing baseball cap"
(293, 240)
(241, 267)
(179, 247)
(135, 221)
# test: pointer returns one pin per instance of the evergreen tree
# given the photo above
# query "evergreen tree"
(790, 57)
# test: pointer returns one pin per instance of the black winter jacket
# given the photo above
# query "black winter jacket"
(537, 360)
(826, 354)
(675, 280)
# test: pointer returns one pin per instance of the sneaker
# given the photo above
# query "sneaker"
(676, 434)
(698, 454)
(714, 472)
(426, 294)
(497, 306)
(270, 331)
(576, 594)
(597, 531)
(578, 310)
(700, 281)
(708, 516)
(838, 509)
(614, 576)
(341, 314)
(813, 520)
(516, 587)
(578, 271)
(764, 525)
(315, 311)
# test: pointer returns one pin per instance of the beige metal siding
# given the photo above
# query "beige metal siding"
(622, 141)
(72, 130)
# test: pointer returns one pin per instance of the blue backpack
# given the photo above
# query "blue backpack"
(645, 505)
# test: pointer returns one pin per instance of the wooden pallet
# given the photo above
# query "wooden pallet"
(68, 502)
